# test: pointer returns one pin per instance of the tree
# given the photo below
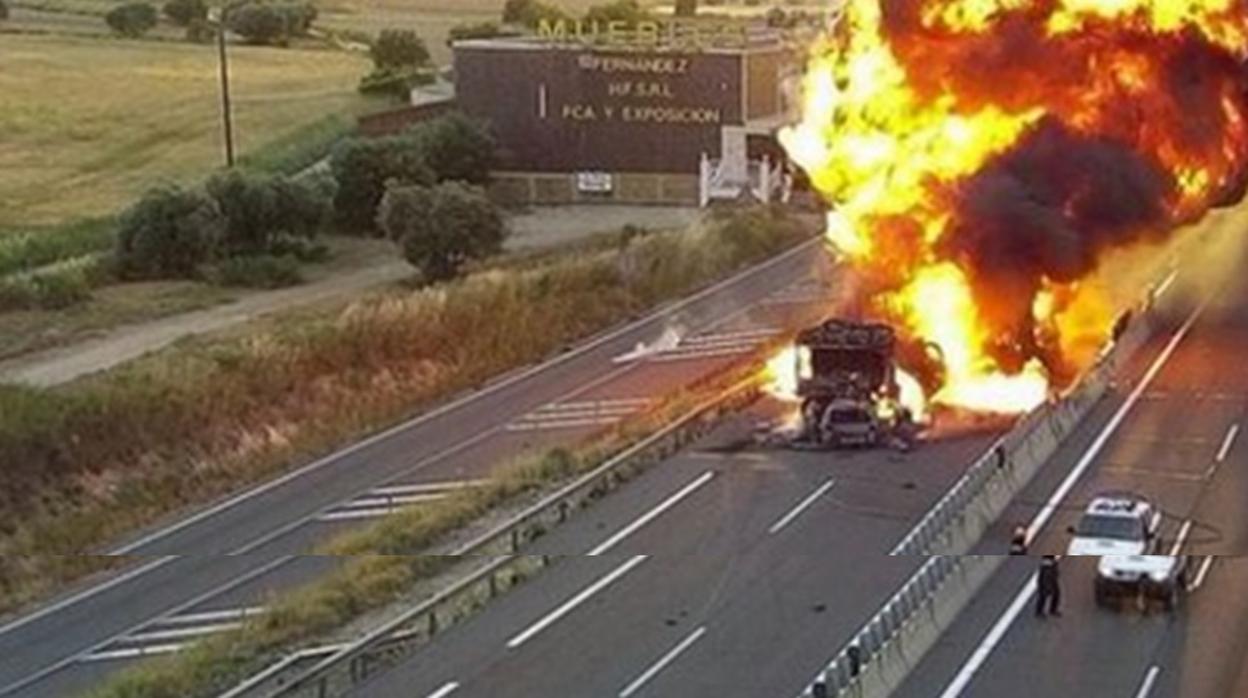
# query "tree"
(456, 147)
(259, 209)
(169, 233)
(361, 169)
(627, 11)
(4, 11)
(257, 23)
(132, 19)
(530, 13)
(271, 23)
(399, 48)
(686, 8)
(183, 12)
(441, 228)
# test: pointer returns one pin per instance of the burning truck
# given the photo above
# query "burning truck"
(850, 388)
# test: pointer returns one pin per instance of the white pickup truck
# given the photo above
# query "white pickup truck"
(1122, 530)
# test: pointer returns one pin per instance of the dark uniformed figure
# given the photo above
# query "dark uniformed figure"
(1018, 541)
(1049, 585)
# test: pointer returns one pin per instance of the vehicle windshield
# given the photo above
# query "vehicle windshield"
(848, 415)
(1112, 527)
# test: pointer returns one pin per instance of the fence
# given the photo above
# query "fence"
(503, 568)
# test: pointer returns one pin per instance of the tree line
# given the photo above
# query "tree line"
(423, 189)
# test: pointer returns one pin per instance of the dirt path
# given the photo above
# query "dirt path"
(537, 229)
(63, 364)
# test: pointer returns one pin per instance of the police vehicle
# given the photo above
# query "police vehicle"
(1122, 529)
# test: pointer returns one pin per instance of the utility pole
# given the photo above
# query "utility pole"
(227, 120)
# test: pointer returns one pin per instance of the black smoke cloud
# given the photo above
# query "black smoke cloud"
(1049, 208)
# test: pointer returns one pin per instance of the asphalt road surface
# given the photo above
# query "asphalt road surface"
(205, 571)
(1179, 443)
(727, 571)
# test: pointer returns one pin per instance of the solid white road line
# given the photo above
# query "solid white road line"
(653, 513)
(1180, 539)
(802, 506)
(980, 655)
(1046, 512)
(660, 665)
(445, 691)
(1227, 443)
(1149, 679)
(571, 604)
(1202, 573)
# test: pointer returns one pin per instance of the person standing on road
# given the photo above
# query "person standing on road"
(1018, 541)
(1049, 586)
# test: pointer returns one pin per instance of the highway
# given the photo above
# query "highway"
(201, 573)
(1179, 443)
(731, 570)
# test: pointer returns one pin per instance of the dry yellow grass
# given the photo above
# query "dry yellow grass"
(89, 123)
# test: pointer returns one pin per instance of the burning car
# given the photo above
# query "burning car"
(848, 386)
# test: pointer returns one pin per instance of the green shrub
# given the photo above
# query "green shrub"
(362, 167)
(442, 228)
(168, 234)
(132, 19)
(184, 12)
(456, 147)
(257, 208)
(257, 271)
(271, 23)
(399, 49)
(302, 249)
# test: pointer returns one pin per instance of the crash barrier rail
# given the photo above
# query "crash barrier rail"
(1007, 466)
(881, 635)
(394, 641)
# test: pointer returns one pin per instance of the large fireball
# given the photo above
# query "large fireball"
(980, 157)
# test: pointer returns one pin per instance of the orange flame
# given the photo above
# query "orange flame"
(897, 116)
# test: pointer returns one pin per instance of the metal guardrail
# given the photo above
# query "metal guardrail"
(397, 639)
(879, 635)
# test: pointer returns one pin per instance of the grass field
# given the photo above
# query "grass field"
(89, 123)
